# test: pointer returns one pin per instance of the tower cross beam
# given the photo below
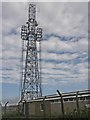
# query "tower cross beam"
(31, 72)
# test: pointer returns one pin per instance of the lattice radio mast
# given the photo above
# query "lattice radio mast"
(31, 36)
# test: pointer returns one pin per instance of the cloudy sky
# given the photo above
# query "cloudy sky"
(64, 46)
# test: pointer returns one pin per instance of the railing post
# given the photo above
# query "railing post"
(62, 106)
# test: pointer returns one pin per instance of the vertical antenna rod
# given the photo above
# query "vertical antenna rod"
(31, 72)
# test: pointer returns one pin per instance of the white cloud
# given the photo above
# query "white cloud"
(58, 57)
(66, 18)
(62, 19)
(69, 73)
(57, 45)
(13, 15)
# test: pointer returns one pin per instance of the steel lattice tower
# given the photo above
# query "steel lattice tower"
(31, 36)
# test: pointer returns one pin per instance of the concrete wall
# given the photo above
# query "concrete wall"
(31, 108)
(53, 108)
(82, 104)
(70, 106)
(35, 109)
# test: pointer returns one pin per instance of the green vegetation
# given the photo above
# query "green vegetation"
(82, 114)
(15, 115)
(11, 114)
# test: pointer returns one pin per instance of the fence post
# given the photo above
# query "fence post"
(0, 110)
(44, 109)
(25, 108)
(6, 107)
(20, 107)
(77, 102)
(62, 106)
